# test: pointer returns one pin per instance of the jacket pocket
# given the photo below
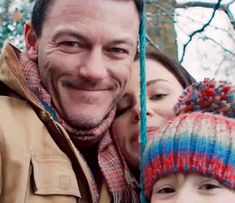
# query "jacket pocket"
(54, 175)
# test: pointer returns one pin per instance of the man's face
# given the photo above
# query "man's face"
(84, 56)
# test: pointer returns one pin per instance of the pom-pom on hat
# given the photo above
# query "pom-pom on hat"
(195, 142)
(209, 95)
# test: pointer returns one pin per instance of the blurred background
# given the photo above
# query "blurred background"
(199, 34)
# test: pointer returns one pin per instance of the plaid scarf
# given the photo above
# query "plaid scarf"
(120, 182)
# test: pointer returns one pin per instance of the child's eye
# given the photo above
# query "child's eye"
(166, 190)
(158, 97)
(209, 186)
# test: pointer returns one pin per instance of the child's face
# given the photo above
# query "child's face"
(191, 188)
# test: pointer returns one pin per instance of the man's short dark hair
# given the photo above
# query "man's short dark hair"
(41, 8)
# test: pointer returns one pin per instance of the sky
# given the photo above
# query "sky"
(204, 58)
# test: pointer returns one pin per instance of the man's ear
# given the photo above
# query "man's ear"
(30, 41)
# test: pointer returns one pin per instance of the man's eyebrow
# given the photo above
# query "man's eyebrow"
(150, 82)
(83, 38)
(123, 41)
(70, 33)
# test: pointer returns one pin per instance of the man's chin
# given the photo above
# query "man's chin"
(86, 117)
(84, 122)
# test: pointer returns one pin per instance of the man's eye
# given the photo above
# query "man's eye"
(166, 190)
(209, 186)
(69, 44)
(158, 97)
(118, 50)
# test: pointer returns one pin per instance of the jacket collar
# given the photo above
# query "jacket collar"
(12, 76)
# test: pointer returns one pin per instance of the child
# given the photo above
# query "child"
(192, 159)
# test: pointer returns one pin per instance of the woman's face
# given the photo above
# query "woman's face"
(190, 188)
(163, 90)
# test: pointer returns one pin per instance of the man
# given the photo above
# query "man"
(58, 100)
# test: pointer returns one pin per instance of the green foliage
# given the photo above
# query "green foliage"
(13, 16)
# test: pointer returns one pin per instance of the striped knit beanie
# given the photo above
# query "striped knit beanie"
(199, 140)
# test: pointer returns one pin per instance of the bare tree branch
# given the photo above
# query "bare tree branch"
(223, 7)
(194, 20)
(197, 4)
(218, 44)
(150, 41)
(217, 6)
(230, 15)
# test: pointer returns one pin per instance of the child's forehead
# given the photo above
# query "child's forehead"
(180, 178)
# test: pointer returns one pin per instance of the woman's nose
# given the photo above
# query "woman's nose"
(136, 113)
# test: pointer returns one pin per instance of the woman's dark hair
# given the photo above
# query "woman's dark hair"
(41, 8)
(181, 74)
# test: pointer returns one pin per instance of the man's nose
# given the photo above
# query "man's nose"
(136, 113)
(93, 66)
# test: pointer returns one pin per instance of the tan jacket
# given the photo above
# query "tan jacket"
(33, 169)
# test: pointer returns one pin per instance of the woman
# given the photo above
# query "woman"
(166, 80)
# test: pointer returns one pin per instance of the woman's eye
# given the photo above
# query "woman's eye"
(209, 186)
(125, 104)
(122, 107)
(166, 190)
(122, 110)
(158, 97)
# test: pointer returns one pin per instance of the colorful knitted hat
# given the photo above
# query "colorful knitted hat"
(195, 142)
(209, 95)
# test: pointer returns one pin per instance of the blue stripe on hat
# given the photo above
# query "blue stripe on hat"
(190, 144)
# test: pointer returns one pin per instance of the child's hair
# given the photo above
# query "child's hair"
(201, 139)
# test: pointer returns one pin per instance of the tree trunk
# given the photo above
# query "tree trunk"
(160, 25)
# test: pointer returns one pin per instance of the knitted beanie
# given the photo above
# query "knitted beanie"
(213, 96)
(198, 142)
